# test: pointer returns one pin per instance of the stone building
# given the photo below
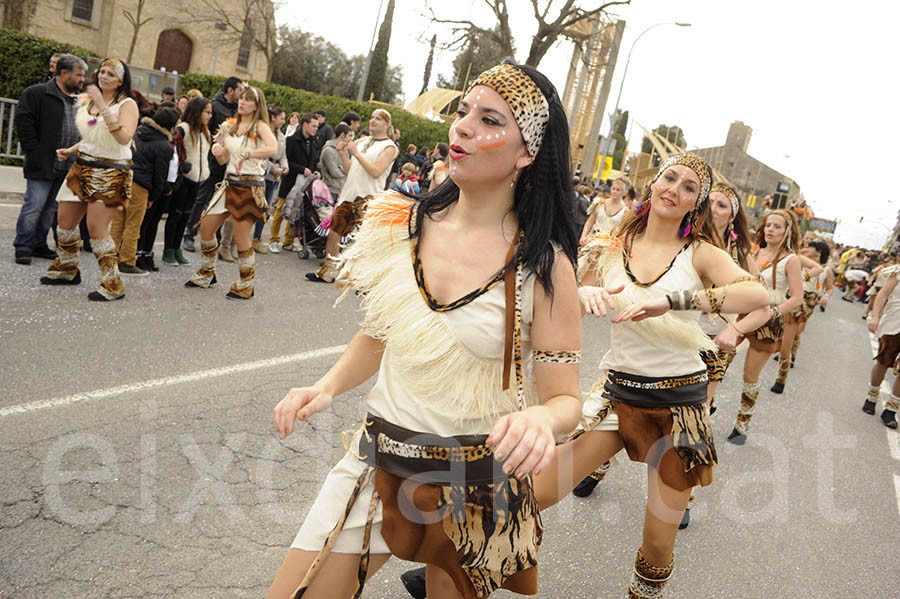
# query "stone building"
(171, 38)
(754, 179)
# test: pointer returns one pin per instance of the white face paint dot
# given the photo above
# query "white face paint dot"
(504, 133)
(478, 138)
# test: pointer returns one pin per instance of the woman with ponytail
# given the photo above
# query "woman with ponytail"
(651, 398)
(462, 289)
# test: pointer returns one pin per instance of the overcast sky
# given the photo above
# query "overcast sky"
(813, 79)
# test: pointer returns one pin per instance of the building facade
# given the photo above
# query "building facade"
(170, 38)
(754, 179)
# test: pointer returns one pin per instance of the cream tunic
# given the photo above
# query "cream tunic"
(603, 223)
(778, 295)
(359, 183)
(890, 314)
(432, 361)
(96, 140)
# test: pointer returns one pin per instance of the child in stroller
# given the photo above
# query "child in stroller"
(303, 209)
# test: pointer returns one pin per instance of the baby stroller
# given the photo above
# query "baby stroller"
(300, 212)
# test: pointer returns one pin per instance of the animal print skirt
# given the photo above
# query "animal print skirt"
(99, 179)
(447, 502)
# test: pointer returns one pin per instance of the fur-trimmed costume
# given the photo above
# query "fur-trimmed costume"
(439, 385)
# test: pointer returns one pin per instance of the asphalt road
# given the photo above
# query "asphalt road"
(139, 459)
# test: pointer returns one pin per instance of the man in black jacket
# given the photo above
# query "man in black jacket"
(152, 155)
(302, 153)
(45, 121)
(224, 106)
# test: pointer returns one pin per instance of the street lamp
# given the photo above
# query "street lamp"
(614, 116)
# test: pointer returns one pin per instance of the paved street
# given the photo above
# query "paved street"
(139, 458)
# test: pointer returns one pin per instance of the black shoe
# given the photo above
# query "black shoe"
(233, 295)
(869, 407)
(86, 247)
(146, 262)
(712, 410)
(23, 257)
(792, 361)
(775, 358)
(49, 281)
(96, 296)
(821, 308)
(414, 581)
(777, 388)
(585, 487)
(127, 269)
(187, 244)
(737, 438)
(44, 252)
(685, 520)
(311, 276)
(889, 418)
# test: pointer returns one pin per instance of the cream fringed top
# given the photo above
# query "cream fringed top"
(890, 314)
(778, 293)
(441, 372)
(666, 345)
(604, 223)
(96, 140)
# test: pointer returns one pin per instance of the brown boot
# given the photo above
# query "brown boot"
(111, 287)
(206, 274)
(64, 269)
(243, 289)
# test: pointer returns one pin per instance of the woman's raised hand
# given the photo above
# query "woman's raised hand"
(594, 300)
(642, 310)
(523, 441)
(299, 404)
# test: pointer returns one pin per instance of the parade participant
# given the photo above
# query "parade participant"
(604, 215)
(99, 182)
(811, 271)
(776, 235)
(276, 167)
(194, 127)
(367, 163)
(651, 396)
(453, 370)
(243, 144)
(884, 323)
(302, 153)
(816, 287)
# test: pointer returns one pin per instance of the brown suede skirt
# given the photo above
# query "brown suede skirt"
(446, 502)
(244, 202)
(347, 215)
(767, 338)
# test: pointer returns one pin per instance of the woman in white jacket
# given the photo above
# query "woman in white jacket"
(197, 142)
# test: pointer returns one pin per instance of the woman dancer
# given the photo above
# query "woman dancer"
(605, 215)
(816, 286)
(884, 323)
(243, 144)
(503, 227)
(197, 142)
(780, 270)
(99, 182)
(651, 397)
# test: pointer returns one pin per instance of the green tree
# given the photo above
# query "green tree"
(379, 66)
(428, 64)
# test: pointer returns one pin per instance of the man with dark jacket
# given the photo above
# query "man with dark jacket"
(324, 132)
(302, 153)
(224, 106)
(45, 122)
(151, 156)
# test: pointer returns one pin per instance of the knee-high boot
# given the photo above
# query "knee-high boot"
(784, 365)
(328, 271)
(749, 394)
(794, 349)
(243, 289)
(111, 287)
(206, 274)
(64, 268)
(649, 581)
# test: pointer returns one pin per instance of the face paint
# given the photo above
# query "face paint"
(492, 146)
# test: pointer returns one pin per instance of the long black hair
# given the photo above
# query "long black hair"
(543, 198)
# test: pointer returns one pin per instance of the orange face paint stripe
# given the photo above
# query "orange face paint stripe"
(492, 146)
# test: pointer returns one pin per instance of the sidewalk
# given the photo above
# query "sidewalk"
(12, 184)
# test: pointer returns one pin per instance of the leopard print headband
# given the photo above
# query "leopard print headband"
(696, 164)
(115, 65)
(528, 104)
(729, 193)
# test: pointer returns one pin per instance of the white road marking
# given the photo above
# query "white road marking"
(5, 205)
(167, 381)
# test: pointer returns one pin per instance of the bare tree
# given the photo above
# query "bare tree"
(246, 22)
(136, 24)
(549, 28)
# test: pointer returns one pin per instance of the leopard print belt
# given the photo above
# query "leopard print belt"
(429, 458)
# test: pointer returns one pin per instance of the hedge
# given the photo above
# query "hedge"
(25, 59)
(413, 129)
